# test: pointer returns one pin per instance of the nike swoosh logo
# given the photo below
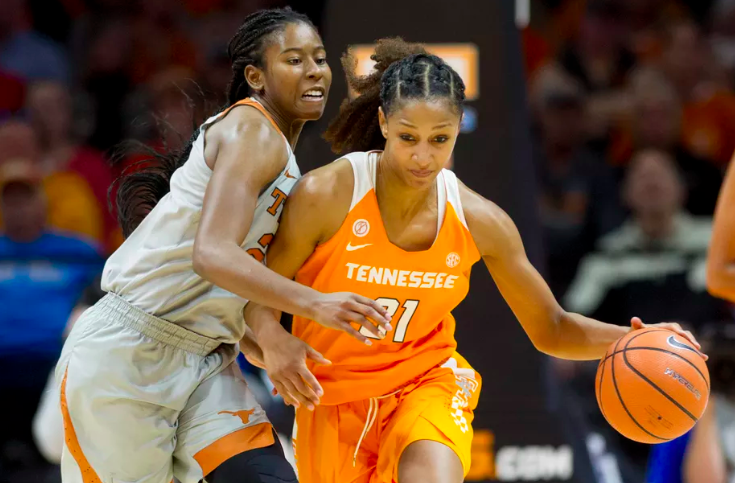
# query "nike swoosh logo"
(675, 343)
(352, 248)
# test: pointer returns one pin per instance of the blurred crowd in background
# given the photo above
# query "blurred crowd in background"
(633, 110)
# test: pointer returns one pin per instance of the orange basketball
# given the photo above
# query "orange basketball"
(652, 386)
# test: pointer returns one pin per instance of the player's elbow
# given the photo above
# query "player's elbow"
(547, 339)
(204, 259)
(545, 344)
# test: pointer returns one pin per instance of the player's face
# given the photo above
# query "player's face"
(420, 137)
(24, 210)
(296, 76)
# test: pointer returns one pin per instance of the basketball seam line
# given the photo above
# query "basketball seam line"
(638, 335)
(630, 349)
(622, 403)
(676, 403)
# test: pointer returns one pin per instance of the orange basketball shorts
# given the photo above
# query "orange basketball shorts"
(362, 441)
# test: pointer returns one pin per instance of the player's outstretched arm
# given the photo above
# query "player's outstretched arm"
(313, 213)
(721, 258)
(248, 154)
(551, 329)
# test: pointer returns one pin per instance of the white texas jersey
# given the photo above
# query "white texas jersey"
(153, 269)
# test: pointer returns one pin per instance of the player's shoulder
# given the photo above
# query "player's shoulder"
(489, 225)
(326, 190)
(246, 121)
(245, 126)
(478, 210)
(321, 198)
(245, 134)
(328, 184)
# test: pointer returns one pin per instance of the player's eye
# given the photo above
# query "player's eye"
(407, 137)
(321, 61)
(441, 139)
(294, 61)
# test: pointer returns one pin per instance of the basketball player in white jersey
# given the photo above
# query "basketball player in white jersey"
(149, 390)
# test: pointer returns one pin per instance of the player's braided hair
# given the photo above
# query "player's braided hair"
(403, 71)
(140, 189)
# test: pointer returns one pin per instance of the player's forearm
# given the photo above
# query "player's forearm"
(249, 342)
(577, 337)
(264, 324)
(232, 269)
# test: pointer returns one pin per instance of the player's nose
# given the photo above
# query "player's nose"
(313, 71)
(422, 157)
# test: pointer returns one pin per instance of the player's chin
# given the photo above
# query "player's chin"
(420, 179)
(311, 109)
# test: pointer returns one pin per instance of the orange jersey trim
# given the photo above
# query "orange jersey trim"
(249, 101)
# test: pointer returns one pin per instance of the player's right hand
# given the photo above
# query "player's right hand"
(284, 358)
(338, 310)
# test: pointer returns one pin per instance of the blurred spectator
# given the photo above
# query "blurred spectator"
(42, 274)
(708, 129)
(72, 205)
(212, 35)
(215, 74)
(24, 52)
(600, 61)
(50, 108)
(103, 46)
(646, 19)
(160, 39)
(653, 266)
(12, 94)
(164, 113)
(174, 99)
(722, 37)
(656, 123)
(579, 201)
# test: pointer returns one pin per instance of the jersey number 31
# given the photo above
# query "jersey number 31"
(392, 305)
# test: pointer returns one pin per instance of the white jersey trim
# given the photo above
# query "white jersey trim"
(452, 184)
(364, 168)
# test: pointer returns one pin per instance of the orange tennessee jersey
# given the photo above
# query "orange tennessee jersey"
(419, 290)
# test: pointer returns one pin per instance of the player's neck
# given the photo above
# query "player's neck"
(657, 227)
(291, 128)
(404, 200)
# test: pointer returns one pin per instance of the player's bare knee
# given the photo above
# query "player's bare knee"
(429, 462)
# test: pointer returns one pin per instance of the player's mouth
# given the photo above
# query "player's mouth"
(421, 173)
(315, 94)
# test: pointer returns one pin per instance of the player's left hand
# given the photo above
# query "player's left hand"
(636, 324)
(284, 357)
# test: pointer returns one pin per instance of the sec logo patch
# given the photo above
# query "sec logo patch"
(453, 260)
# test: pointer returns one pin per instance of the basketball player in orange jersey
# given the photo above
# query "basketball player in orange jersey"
(386, 221)
(721, 257)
